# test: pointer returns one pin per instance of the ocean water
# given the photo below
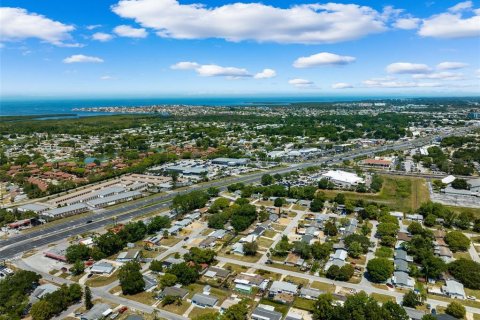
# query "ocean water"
(42, 106)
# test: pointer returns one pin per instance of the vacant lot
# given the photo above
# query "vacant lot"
(399, 193)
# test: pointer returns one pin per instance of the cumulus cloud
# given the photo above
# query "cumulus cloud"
(322, 59)
(212, 70)
(301, 83)
(407, 23)
(266, 74)
(341, 85)
(453, 24)
(440, 76)
(185, 65)
(304, 23)
(451, 65)
(461, 6)
(407, 67)
(19, 24)
(130, 32)
(101, 36)
(80, 58)
(393, 83)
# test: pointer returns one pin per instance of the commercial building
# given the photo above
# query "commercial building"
(34, 207)
(65, 211)
(342, 178)
(230, 162)
(114, 199)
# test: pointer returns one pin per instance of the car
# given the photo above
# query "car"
(122, 309)
(471, 298)
(89, 221)
(90, 275)
(186, 238)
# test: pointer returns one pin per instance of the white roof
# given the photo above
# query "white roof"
(448, 180)
(343, 176)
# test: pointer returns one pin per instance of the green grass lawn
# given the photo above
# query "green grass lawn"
(322, 286)
(264, 242)
(296, 280)
(475, 211)
(399, 193)
(235, 267)
(469, 303)
(174, 308)
(382, 297)
(268, 274)
(460, 255)
(269, 234)
(282, 308)
(304, 304)
(170, 241)
(142, 297)
(100, 281)
(241, 258)
(196, 312)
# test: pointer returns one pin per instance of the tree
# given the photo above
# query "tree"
(380, 269)
(267, 179)
(88, 298)
(388, 241)
(395, 311)
(14, 291)
(41, 310)
(330, 229)
(158, 223)
(279, 202)
(340, 198)
(363, 240)
(333, 272)
(429, 317)
(355, 250)
(456, 309)
(238, 311)
(464, 220)
(325, 308)
(460, 184)
(250, 248)
(316, 205)
(167, 300)
(184, 273)
(415, 228)
(109, 243)
(387, 229)
(467, 272)
(78, 268)
(168, 280)
(156, 266)
(411, 299)
(457, 241)
(131, 278)
(77, 252)
(213, 191)
(346, 272)
(199, 256)
(321, 251)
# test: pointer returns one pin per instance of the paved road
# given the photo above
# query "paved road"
(18, 244)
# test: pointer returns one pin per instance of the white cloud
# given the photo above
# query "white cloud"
(304, 23)
(101, 36)
(212, 70)
(106, 77)
(452, 24)
(477, 73)
(440, 76)
(80, 58)
(130, 32)
(407, 23)
(301, 83)
(379, 83)
(19, 24)
(451, 65)
(341, 85)
(185, 65)
(322, 59)
(407, 67)
(461, 6)
(266, 74)
(93, 26)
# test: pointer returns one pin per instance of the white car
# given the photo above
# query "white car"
(471, 298)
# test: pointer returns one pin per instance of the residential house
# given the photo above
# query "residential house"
(265, 312)
(454, 289)
(204, 301)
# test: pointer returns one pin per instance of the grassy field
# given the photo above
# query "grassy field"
(142, 297)
(100, 281)
(323, 286)
(296, 280)
(304, 304)
(264, 242)
(197, 311)
(235, 267)
(282, 308)
(382, 297)
(177, 309)
(399, 193)
(475, 211)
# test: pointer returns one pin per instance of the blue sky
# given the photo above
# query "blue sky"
(189, 48)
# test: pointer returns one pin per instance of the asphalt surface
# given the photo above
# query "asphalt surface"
(19, 244)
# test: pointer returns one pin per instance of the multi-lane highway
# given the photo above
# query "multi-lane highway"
(19, 244)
